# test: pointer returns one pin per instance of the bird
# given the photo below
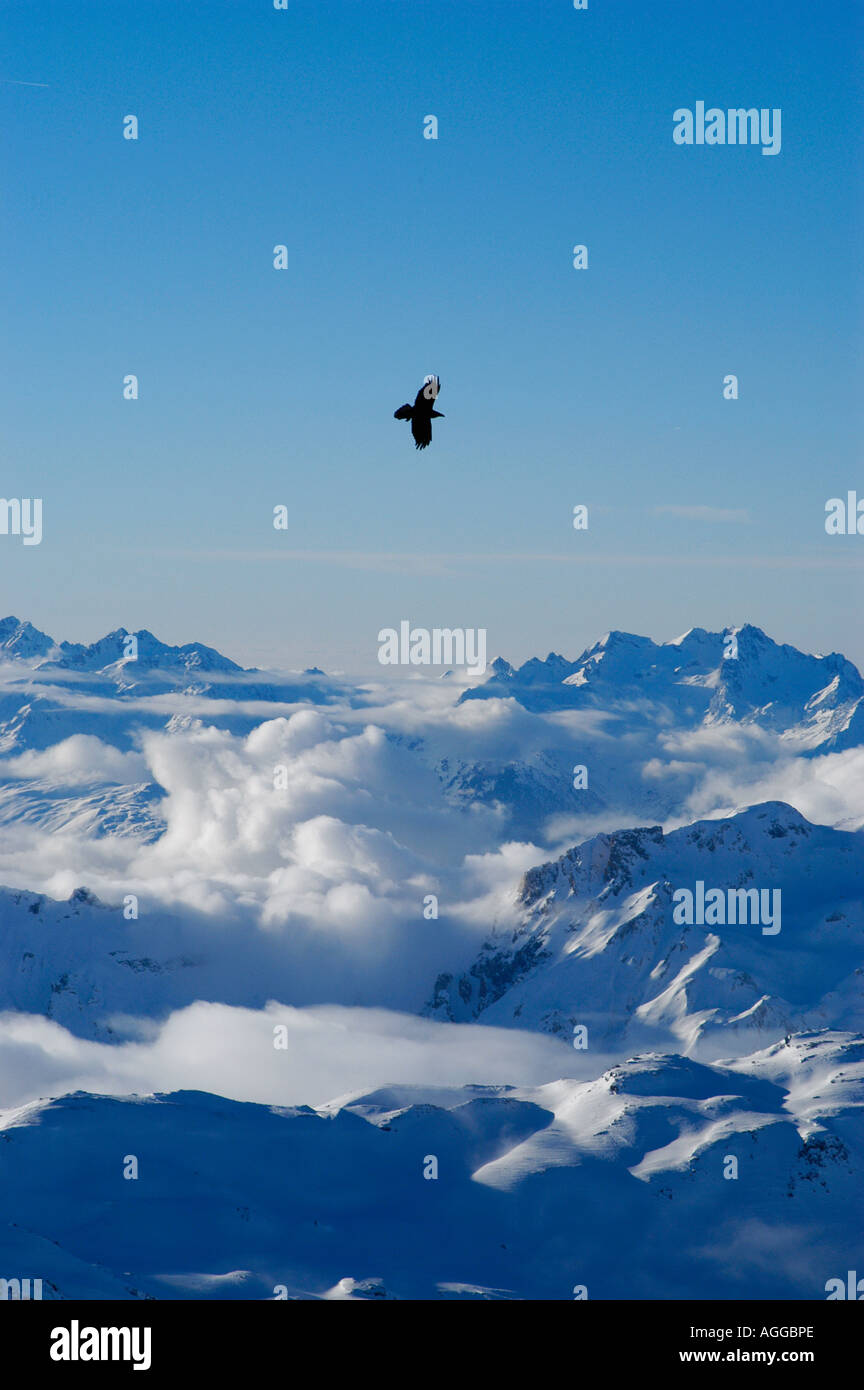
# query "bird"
(421, 413)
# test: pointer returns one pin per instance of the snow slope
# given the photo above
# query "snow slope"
(593, 940)
(536, 1192)
(697, 1044)
(814, 701)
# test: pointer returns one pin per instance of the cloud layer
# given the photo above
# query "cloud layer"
(328, 1052)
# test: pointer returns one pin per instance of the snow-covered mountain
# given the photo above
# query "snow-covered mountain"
(94, 808)
(22, 641)
(703, 677)
(534, 1193)
(80, 962)
(648, 723)
(113, 689)
(624, 710)
(150, 655)
(594, 939)
(251, 847)
(124, 663)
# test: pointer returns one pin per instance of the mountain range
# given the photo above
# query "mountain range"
(701, 1080)
(619, 1187)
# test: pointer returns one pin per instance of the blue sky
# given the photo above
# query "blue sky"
(407, 256)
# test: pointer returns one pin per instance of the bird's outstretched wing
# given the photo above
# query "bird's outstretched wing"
(403, 413)
(421, 428)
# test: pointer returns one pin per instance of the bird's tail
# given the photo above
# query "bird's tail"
(403, 413)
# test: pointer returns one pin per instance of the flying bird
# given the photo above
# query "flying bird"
(421, 413)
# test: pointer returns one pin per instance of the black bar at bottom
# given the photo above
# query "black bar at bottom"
(160, 1338)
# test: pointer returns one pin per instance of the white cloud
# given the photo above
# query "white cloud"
(331, 864)
(828, 790)
(78, 760)
(330, 1051)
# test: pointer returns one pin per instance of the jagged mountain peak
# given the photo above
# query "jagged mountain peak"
(22, 641)
(146, 652)
(598, 937)
(740, 674)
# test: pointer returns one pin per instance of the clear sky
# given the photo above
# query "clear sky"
(604, 386)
